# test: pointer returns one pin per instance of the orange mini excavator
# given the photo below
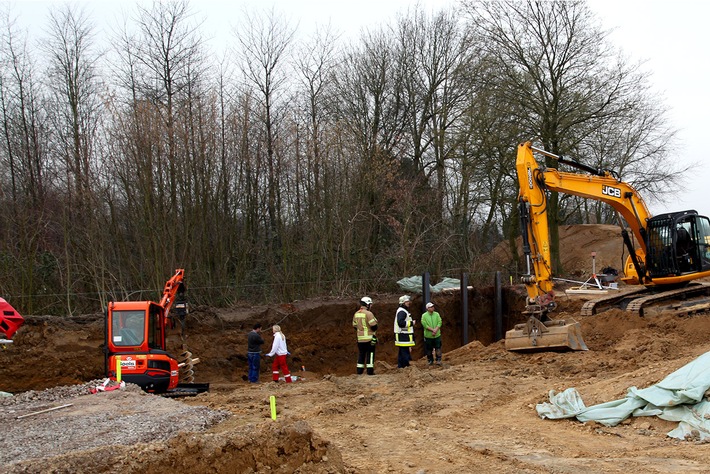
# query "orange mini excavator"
(135, 343)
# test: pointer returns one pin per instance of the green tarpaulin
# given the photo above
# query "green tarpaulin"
(679, 397)
(414, 284)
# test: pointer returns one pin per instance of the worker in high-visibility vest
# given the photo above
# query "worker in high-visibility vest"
(404, 331)
(365, 325)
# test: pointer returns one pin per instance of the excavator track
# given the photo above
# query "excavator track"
(637, 305)
(643, 298)
(598, 305)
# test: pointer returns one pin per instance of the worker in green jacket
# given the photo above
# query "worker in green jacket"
(431, 322)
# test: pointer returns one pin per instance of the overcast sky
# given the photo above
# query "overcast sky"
(672, 37)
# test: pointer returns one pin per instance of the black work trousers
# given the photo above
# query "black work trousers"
(403, 357)
(366, 357)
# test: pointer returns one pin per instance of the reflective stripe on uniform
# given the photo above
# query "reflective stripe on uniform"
(363, 333)
(404, 340)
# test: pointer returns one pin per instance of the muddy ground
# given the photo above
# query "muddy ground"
(476, 413)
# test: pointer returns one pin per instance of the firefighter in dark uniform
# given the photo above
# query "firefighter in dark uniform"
(365, 325)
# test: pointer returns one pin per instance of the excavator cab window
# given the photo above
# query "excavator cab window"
(702, 242)
(155, 327)
(127, 328)
(660, 254)
(684, 248)
(678, 243)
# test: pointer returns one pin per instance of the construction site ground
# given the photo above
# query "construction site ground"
(475, 413)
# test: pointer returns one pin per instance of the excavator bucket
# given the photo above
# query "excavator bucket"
(534, 335)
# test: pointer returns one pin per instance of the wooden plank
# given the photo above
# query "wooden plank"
(45, 411)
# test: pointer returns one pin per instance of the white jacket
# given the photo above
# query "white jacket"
(279, 345)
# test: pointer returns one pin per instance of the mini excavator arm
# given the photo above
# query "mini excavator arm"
(172, 288)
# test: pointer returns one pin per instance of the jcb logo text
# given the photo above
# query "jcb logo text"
(613, 192)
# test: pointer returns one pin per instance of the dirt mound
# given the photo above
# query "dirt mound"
(130, 431)
(577, 242)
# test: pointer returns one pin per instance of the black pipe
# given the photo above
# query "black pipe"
(464, 308)
(426, 293)
(498, 309)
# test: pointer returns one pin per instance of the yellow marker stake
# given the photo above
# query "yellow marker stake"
(118, 368)
(272, 402)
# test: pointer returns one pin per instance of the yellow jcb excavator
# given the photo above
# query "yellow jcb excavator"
(670, 249)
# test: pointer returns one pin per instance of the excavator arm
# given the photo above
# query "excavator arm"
(534, 181)
(172, 287)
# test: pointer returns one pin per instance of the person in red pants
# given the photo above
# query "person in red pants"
(279, 353)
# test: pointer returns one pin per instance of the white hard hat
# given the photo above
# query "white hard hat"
(404, 299)
(366, 301)
(430, 305)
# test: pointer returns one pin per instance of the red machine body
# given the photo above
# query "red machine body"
(10, 320)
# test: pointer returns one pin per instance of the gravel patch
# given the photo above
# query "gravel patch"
(121, 417)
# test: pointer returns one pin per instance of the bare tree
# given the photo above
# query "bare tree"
(264, 40)
(317, 200)
(559, 70)
(74, 81)
(161, 68)
(26, 170)
(441, 77)
(75, 112)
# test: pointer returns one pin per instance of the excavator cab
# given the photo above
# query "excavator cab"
(678, 243)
